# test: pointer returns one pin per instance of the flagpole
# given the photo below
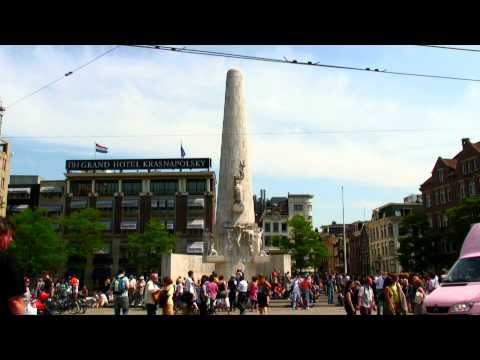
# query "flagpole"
(344, 236)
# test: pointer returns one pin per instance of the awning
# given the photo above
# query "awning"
(104, 204)
(19, 190)
(195, 224)
(195, 248)
(19, 208)
(51, 189)
(130, 203)
(128, 225)
(52, 208)
(196, 202)
(78, 204)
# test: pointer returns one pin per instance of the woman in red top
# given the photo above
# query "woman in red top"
(252, 293)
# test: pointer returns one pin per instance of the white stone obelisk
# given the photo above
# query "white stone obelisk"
(235, 150)
(236, 242)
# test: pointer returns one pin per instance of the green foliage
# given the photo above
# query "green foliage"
(418, 248)
(145, 249)
(83, 233)
(36, 245)
(460, 218)
(306, 246)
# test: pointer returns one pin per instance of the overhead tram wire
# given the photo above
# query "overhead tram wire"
(450, 48)
(67, 74)
(296, 62)
(265, 133)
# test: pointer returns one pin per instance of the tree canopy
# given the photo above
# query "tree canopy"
(37, 246)
(306, 246)
(145, 249)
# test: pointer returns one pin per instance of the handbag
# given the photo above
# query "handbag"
(156, 296)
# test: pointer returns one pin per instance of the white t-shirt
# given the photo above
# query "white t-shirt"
(189, 286)
(379, 283)
(365, 296)
(151, 288)
(242, 286)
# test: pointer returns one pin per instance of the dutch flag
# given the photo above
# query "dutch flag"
(101, 149)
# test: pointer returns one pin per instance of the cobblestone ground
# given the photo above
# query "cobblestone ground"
(277, 307)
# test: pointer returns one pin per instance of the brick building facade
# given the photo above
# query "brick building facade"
(452, 180)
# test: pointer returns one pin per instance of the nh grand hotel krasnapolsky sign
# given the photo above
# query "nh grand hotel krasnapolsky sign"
(139, 164)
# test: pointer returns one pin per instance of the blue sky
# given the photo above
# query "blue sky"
(179, 97)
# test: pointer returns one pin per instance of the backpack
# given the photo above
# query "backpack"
(119, 286)
(162, 299)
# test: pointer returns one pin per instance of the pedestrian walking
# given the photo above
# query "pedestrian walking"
(420, 295)
(253, 294)
(242, 295)
(11, 287)
(232, 292)
(263, 295)
(296, 293)
(202, 299)
(330, 285)
(168, 306)
(379, 285)
(222, 297)
(120, 293)
(132, 286)
(348, 303)
(366, 299)
(150, 290)
(306, 288)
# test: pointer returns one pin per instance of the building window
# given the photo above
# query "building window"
(436, 198)
(267, 227)
(430, 221)
(428, 200)
(131, 187)
(440, 176)
(196, 186)
(442, 196)
(160, 187)
(80, 188)
(449, 194)
(464, 168)
(298, 207)
(196, 202)
(106, 188)
(284, 227)
(445, 220)
(470, 166)
(462, 191)
(471, 188)
(475, 164)
(275, 227)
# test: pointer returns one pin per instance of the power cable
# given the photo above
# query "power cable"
(450, 48)
(296, 62)
(264, 133)
(69, 73)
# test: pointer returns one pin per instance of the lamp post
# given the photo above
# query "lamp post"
(344, 236)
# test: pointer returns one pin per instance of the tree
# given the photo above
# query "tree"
(83, 235)
(460, 219)
(37, 246)
(418, 248)
(306, 245)
(146, 249)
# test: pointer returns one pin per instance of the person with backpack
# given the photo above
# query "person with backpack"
(151, 289)
(120, 294)
(264, 290)
(366, 299)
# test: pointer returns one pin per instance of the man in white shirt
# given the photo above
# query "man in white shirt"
(366, 300)
(242, 294)
(379, 292)
(296, 293)
(151, 288)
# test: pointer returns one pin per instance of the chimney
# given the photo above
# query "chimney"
(465, 141)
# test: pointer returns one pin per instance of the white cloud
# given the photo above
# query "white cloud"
(136, 91)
